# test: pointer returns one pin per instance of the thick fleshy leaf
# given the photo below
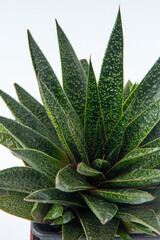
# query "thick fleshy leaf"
(148, 156)
(15, 205)
(98, 151)
(94, 229)
(55, 196)
(137, 228)
(74, 77)
(127, 90)
(92, 109)
(123, 235)
(136, 179)
(146, 217)
(153, 135)
(85, 170)
(79, 141)
(8, 141)
(72, 230)
(101, 165)
(60, 121)
(148, 91)
(140, 127)
(68, 180)
(39, 161)
(23, 179)
(54, 212)
(111, 78)
(152, 144)
(65, 218)
(24, 116)
(85, 65)
(103, 209)
(129, 196)
(115, 139)
(39, 211)
(37, 109)
(31, 139)
(48, 77)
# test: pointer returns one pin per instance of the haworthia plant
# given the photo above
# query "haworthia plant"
(91, 150)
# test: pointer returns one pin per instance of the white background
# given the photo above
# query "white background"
(88, 24)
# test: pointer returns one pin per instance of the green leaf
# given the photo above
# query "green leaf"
(128, 196)
(94, 229)
(55, 196)
(146, 217)
(127, 90)
(72, 230)
(68, 180)
(138, 129)
(115, 139)
(39, 211)
(123, 235)
(152, 144)
(24, 116)
(31, 139)
(37, 109)
(65, 218)
(154, 134)
(54, 212)
(85, 65)
(79, 141)
(111, 78)
(138, 156)
(98, 151)
(100, 164)
(8, 141)
(74, 77)
(138, 228)
(40, 161)
(60, 121)
(92, 109)
(103, 209)
(23, 179)
(15, 205)
(85, 170)
(136, 179)
(148, 91)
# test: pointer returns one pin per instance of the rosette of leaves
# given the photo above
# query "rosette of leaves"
(91, 151)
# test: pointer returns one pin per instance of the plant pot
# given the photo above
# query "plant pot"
(45, 232)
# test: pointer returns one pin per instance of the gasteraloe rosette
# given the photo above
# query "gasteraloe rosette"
(91, 151)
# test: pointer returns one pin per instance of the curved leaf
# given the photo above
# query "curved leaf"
(24, 116)
(68, 180)
(138, 129)
(136, 179)
(103, 209)
(23, 179)
(111, 78)
(128, 196)
(31, 139)
(94, 229)
(85, 170)
(127, 90)
(65, 218)
(146, 217)
(39, 211)
(39, 161)
(8, 141)
(123, 235)
(54, 212)
(15, 205)
(100, 164)
(55, 196)
(74, 77)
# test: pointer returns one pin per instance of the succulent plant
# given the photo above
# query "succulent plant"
(91, 151)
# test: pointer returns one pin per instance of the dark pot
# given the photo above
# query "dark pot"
(45, 232)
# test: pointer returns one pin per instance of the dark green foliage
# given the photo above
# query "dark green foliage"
(92, 150)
